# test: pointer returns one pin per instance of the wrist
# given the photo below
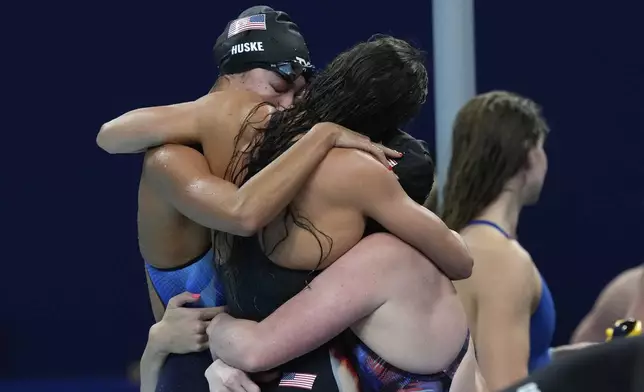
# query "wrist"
(156, 346)
(328, 134)
(217, 320)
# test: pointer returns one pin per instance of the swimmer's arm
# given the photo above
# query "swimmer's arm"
(502, 320)
(369, 188)
(182, 174)
(151, 364)
(611, 305)
(343, 294)
(140, 129)
(636, 310)
(155, 302)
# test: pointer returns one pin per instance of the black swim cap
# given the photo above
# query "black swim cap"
(260, 38)
(415, 170)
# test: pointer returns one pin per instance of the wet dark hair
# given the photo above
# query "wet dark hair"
(493, 134)
(371, 88)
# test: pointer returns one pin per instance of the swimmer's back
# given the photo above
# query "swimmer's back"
(414, 314)
(500, 298)
(324, 201)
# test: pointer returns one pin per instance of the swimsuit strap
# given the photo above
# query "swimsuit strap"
(491, 224)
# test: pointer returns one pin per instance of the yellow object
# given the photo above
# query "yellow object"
(624, 329)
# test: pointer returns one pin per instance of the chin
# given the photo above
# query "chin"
(532, 199)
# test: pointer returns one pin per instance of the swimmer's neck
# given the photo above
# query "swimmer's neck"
(218, 86)
(504, 211)
(223, 83)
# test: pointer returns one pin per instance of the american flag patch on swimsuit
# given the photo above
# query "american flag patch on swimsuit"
(298, 380)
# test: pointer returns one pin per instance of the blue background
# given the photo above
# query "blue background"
(73, 283)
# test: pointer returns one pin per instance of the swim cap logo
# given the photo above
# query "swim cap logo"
(247, 47)
(303, 62)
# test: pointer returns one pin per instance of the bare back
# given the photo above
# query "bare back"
(499, 298)
(421, 313)
(486, 245)
(168, 239)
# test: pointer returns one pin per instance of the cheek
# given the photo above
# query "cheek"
(545, 162)
(286, 100)
(259, 87)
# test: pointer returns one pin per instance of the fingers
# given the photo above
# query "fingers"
(202, 346)
(238, 381)
(201, 327)
(222, 377)
(184, 298)
(374, 150)
(215, 383)
(390, 152)
(248, 385)
(207, 314)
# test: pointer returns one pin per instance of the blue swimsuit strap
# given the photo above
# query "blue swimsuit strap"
(491, 224)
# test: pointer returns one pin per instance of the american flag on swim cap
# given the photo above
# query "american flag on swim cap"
(253, 22)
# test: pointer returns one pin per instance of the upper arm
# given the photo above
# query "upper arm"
(637, 305)
(503, 300)
(182, 175)
(144, 128)
(612, 304)
(157, 306)
(183, 123)
(372, 189)
(342, 294)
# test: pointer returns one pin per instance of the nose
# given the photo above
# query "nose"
(286, 101)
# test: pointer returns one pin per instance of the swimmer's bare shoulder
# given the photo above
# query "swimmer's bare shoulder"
(344, 174)
(227, 111)
(499, 298)
(355, 180)
(616, 301)
(501, 267)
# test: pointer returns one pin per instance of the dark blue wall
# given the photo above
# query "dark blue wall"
(74, 289)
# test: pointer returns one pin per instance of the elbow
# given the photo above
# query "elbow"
(106, 140)
(248, 226)
(247, 356)
(465, 269)
(103, 140)
(252, 362)
(248, 223)
(464, 263)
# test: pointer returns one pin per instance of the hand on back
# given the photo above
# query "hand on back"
(346, 138)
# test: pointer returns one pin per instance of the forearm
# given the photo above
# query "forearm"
(151, 363)
(267, 193)
(636, 309)
(499, 372)
(590, 330)
(234, 341)
(438, 243)
(255, 347)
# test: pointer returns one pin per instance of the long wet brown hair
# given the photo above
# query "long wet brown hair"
(493, 134)
(371, 88)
